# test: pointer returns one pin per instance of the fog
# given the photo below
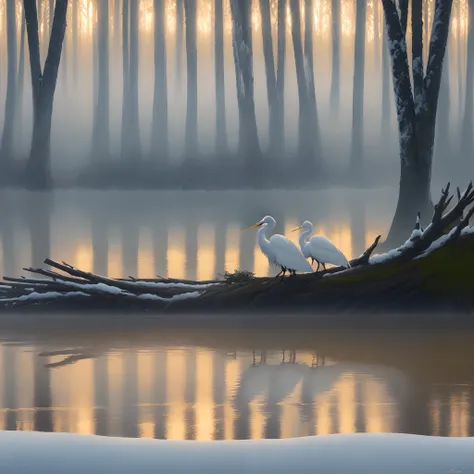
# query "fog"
(76, 94)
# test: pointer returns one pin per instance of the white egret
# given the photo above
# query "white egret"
(279, 250)
(319, 248)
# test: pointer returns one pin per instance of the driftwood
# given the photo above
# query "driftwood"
(431, 270)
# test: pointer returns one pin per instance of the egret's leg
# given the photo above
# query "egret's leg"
(281, 271)
(284, 273)
(317, 269)
(324, 266)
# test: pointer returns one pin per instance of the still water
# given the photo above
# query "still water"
(96, 377)
(204, 385)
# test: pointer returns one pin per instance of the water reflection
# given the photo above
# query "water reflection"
(176, 234)
(135, 387)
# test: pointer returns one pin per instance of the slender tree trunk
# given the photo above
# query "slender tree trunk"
(126, 78)
(21, 80)
(305, 130)
(6, 151)
(38, 168)
(467, 143)
(134, 125)
(191, 140)
(272, 95)
(416, 112)
(75, 30)
(249, 147)
(336, 53)
(386, 93)
(159, 145)
(221, 123)
(309, 75)
(51, 15)
(357, 150)
(117, 23)
(179, 42)
(280, 75)
(376, 36)
(101, 133)
(459, 61)
(443, 126)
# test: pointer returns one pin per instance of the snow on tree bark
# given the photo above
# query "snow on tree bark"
(416, 115)
(38, 168)
(159, 143)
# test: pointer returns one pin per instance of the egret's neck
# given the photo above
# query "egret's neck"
(303, 236)
(263, 242)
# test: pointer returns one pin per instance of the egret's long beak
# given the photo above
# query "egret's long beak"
(258, 224)
(298, 228)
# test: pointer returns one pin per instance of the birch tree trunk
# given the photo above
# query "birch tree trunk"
(38, 168)
(221, 122)
(20, 81)
(249, 146)
(101, 132)
(75, 31)
(191, 139)
(386, 94)
(159, 144)
(6, 150)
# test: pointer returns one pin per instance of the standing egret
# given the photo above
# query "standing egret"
(279, 250)
(320, 249)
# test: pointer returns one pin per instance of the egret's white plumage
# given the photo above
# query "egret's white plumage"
(320, 248)
(279, 250)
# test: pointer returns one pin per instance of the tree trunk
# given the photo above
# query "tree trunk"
(309, 75)
(134, 124)
(191, 139)
(249, 146)
(443, 126)
(75, 32)
(51, 14)
(179, 42)
(386, 94)
(159, 144)
(357, 149)
(38, 168)
(376, 36)
(6, 151)
(417, 111)
(272, 95)
(21, 80)
(336, 52)
(117, 23)
(467, 144)
(101, 133)
(221, 123)
(126, 78)
(280, 75)
(305, 131)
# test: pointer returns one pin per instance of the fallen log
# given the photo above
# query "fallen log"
(432, 269)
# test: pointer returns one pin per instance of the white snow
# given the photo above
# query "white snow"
(55, 453)
(181, 296)
(50, 295)
(185, 286)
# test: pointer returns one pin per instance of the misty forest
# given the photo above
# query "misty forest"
(368, 102)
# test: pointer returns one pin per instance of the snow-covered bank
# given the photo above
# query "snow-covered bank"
(46, 453)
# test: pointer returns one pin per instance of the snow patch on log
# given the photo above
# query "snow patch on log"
(50, 295)
(182, 296)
